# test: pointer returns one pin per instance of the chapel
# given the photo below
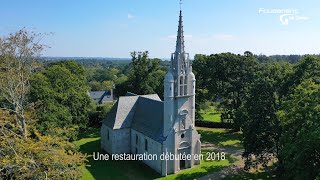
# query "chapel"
(140, 124)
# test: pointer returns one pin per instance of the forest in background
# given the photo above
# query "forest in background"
(274, 101)
(262, 96)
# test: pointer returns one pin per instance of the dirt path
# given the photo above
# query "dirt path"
(230, 170)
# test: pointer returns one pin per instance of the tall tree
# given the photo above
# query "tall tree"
(225, 76)
(260, 124)
(308, 67)
(18, 53)
(145, 76)
(300, 118)
(60, 95)
(284, 126)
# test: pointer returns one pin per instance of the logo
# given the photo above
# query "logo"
(285, 15)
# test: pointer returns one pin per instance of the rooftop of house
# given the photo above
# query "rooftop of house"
(100, 96)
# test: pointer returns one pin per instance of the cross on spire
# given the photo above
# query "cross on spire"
(180, 59)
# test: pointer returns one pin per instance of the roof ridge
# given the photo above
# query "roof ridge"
(151, 99)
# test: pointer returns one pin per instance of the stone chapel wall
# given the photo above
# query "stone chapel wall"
(121, 141)
(138, 146)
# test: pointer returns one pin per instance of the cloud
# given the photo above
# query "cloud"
(130, 16)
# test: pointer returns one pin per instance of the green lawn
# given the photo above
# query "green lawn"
(220, 137)
(90, 142)
(211, 114)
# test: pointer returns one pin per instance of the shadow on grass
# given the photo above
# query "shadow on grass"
(214, 113)
(195, 175)
(90, 133)
(108, 169)
(221, 138)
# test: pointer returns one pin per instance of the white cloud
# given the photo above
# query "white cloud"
(130, 16)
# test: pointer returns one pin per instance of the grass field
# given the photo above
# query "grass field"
(220, 137)
(211, 114)
(90, 142)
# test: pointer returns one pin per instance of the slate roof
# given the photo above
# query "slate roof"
(121, 114)
(99, 96)
(148, 118)
(143, 113)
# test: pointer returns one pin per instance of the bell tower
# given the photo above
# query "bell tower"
(179, 87)
(181, 136)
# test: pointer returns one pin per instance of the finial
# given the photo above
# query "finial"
(180, 5)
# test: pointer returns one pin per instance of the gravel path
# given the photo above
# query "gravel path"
(230, 170)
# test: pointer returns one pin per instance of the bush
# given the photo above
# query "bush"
(36, 156)
(209, 124)
(99, 114)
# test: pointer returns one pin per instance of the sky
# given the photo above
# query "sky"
(114, 28)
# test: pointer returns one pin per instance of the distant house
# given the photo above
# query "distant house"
(101, 96)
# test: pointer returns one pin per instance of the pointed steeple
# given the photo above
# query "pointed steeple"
(180, 59)
(180, 37)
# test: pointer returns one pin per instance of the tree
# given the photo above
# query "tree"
(18, 53)
(108, 84)
(145, 76)
(101, 79)
(299, 156)
(99, 113)
(60, 96)
(96, 86)
(199, 65)
(106, 74)
(248, 54)
(225, 76)
(308, 67)
(260, 124)
(38, 156)
(283, 126)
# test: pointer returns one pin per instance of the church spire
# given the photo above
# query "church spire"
(180, 37)
(180, 61)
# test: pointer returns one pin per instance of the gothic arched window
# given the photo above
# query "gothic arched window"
(181, 85)
(181, 80)
(185, 86)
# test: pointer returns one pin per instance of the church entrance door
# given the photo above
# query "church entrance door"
(182, 164)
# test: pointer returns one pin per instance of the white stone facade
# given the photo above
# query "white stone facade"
(145, 124)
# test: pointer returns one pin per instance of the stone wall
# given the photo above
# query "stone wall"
(106, 138)
(138, 146)
(118, 140)
(121, 139)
